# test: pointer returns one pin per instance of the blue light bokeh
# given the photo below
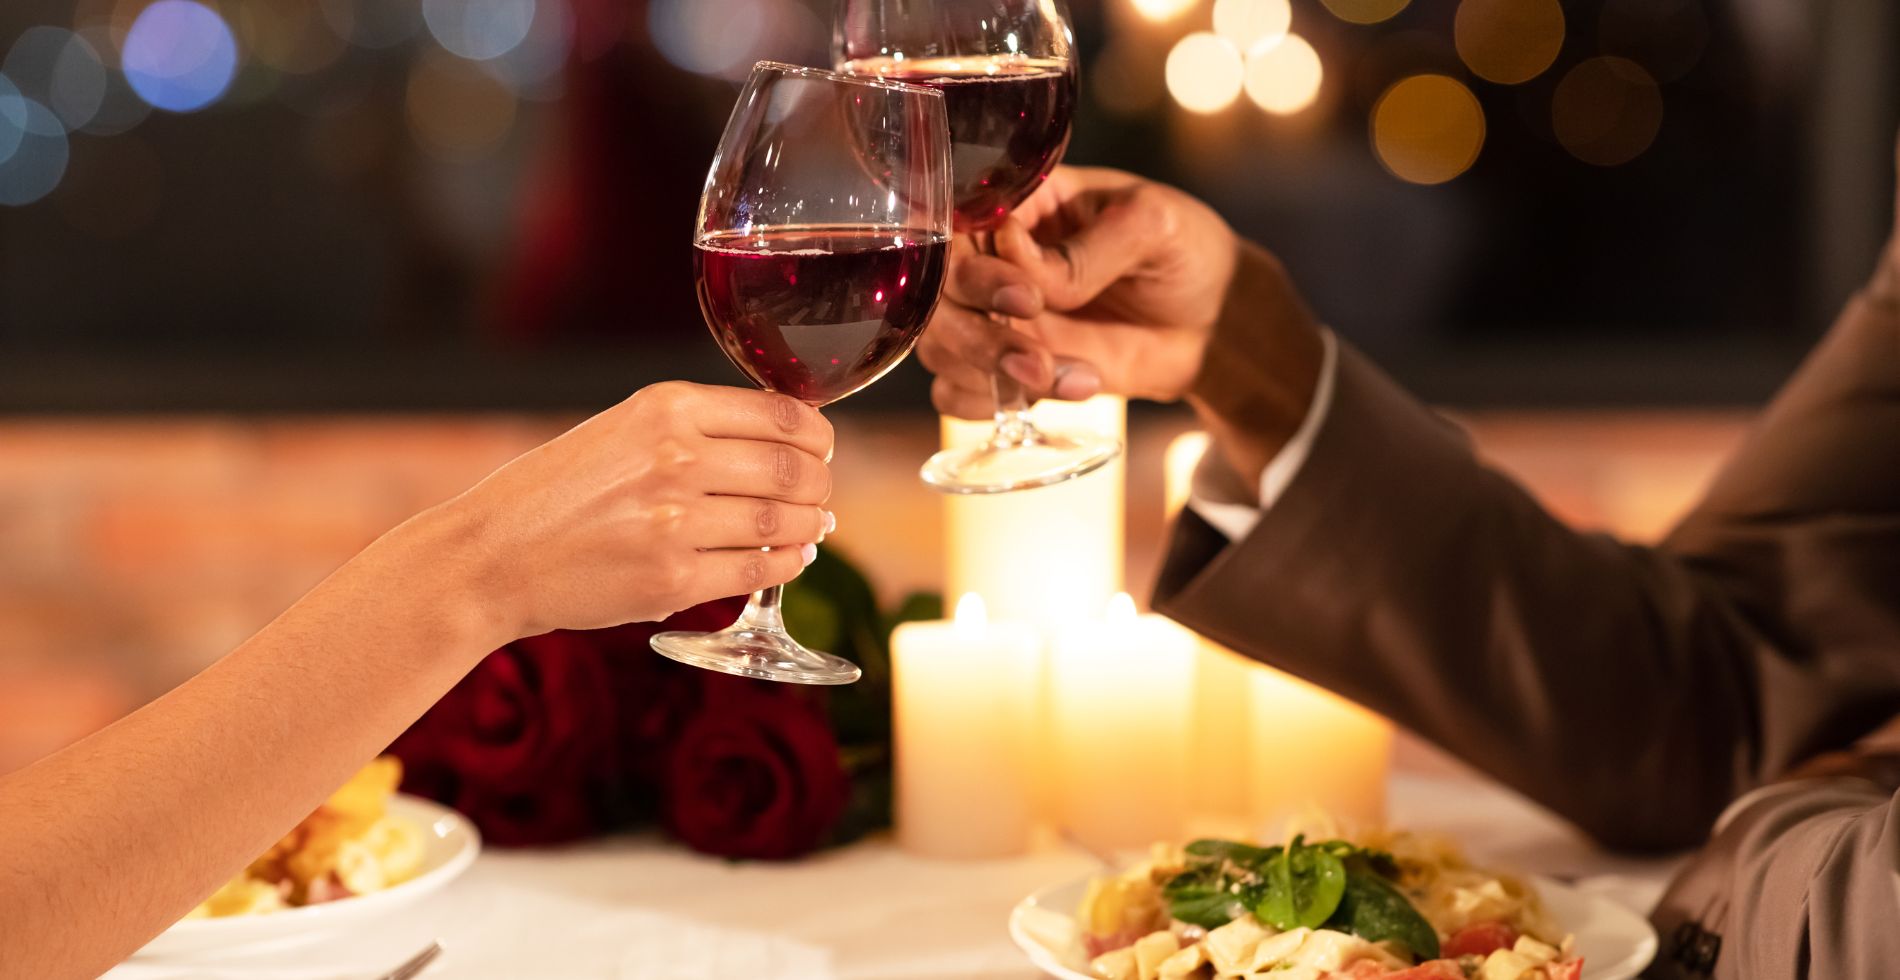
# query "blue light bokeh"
(179, 55)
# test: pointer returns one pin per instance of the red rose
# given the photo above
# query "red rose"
(523, 744)
(654, 697)
(756, 773)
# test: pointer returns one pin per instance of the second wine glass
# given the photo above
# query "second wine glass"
(1008, 77)
(820, 251)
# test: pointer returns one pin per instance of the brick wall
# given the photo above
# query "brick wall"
(132, 553)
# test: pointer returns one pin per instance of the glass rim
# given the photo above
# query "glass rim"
(849, 78)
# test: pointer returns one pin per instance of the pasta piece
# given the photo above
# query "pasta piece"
(1118, 965)
(1185, 964)
(1151, 950)
(1230, 948)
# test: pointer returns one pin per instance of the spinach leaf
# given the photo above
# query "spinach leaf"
(1216, 851)
(1303, 887)
(1374, 909)
(1203, 897)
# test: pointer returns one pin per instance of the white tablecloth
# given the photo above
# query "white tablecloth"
(639, 908)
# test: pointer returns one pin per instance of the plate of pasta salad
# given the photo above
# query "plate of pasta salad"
(1380, 906)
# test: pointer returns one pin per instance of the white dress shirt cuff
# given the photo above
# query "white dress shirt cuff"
(1236, 518)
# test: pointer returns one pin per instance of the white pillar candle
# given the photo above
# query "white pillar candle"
(965, 697)
(1120, 692)
(1218, 759)
(1048, 555)
(1314, 753)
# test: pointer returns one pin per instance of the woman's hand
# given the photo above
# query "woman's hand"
(652, 506)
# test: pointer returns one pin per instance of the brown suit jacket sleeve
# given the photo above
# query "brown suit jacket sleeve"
(1636, 691)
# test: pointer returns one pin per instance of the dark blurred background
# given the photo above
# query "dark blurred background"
(445, 204)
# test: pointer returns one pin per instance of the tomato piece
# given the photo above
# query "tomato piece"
(1479, 939)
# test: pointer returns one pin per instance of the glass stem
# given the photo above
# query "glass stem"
(762, 612)
(1013, 426)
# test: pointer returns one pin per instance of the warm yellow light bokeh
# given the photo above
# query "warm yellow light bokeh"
(1159, 11)
(1607, 111)
(1205, 72)
(1427, 129)
(1365, 11)
(1252, 24)
(1509, 41)
(1284, 79)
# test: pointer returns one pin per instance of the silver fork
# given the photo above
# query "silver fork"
(415, 964)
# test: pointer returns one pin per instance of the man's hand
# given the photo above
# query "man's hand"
(1884, 287)
(1116, 281)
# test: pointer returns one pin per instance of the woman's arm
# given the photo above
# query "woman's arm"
(106, 843)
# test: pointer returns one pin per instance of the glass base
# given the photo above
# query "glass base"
(752, 652)
(1002, 465)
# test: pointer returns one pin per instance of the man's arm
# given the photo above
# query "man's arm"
(1801, 879)
(1634, 690)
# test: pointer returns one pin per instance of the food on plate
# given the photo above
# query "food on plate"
(1387, 906)
(351, 845)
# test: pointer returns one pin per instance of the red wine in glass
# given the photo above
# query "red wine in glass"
(818, 312)
(1009, 123)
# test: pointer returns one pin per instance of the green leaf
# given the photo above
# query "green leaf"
(1374, 909)
(1303, 887)
(1245, 855)
(1203, 897)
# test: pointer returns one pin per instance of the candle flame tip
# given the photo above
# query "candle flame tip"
(971, 612)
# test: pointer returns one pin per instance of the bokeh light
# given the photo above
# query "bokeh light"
(1159, 11)
(1666, 37)
(56, 68)
(479, 29)
(1285, 78)
(1607, 111)
(533, 68)
(120, 108)
(1365, 11)
(113, 188)
(1428, 129)
(1205, 72)
(701, 38)
(12, 118)
(456, 110)
(1252, 24)
(1509, 41)
(33, 148)
(290, 36)
(179, 55)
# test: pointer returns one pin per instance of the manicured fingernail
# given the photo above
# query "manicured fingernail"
(1016, 301)
(1076, 382)
(831, 522)
(1025, 368)
(808, 554)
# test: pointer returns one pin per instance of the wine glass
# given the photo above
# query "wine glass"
(1008, 79)
(823, 235)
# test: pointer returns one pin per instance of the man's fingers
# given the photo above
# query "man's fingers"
(985, 282)
(1110, 243)
(746, 413)
(962, 401)
(748, 570)
(959, 333)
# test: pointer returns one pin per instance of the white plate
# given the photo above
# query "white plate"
(450, 844)
(1616, 943)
